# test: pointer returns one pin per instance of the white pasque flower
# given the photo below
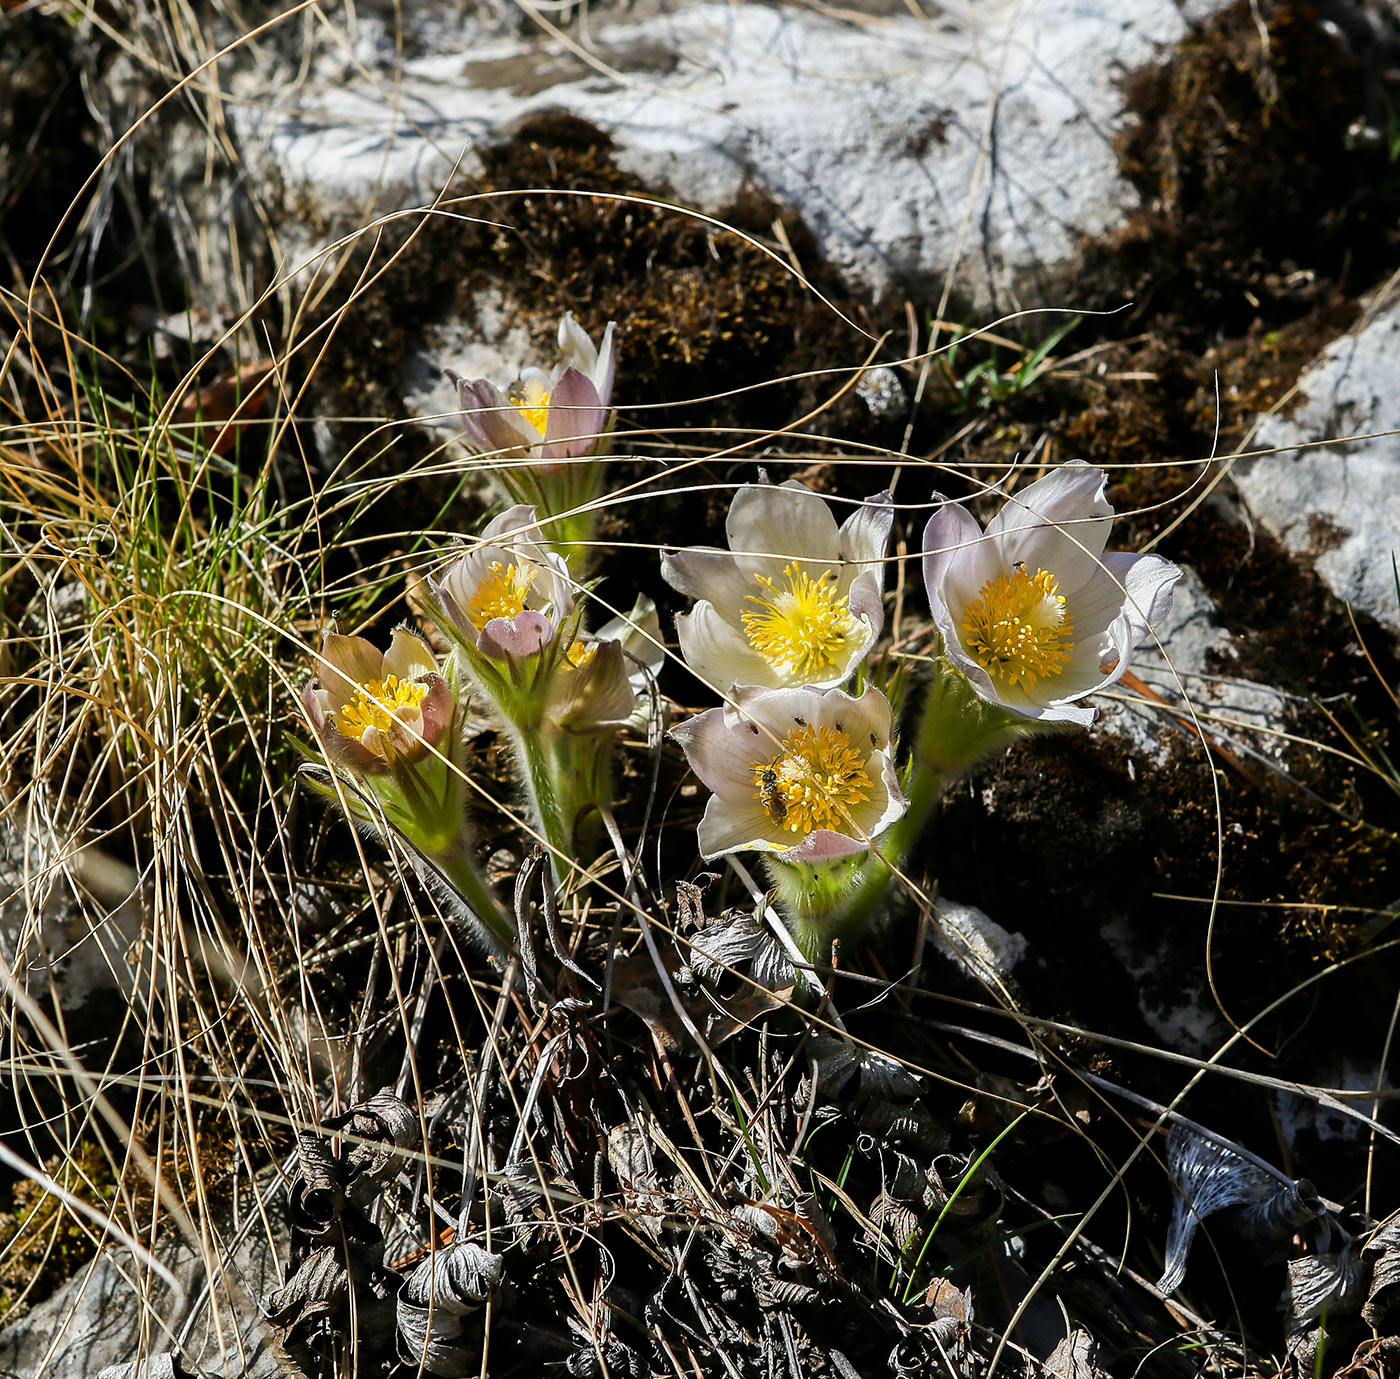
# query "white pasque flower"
(804, 774)
(507, 595)
(1032, 611)
(547, 416)
(795, 600)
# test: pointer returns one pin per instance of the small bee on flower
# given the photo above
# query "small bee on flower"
(803, 774)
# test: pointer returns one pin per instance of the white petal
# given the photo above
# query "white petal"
(865, 534)
(517, 523)
(865, 600)
(408, 657)
(719, 654)
(782, 522)
(866, 721)
(1147, 582)
(1059, 523)
(606, 366)
(576, 348)
(736, 825)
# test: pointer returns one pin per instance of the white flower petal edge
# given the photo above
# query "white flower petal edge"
(1031, 610)
(796, 600)
(507, 573)
(805, 774)
(524, 424)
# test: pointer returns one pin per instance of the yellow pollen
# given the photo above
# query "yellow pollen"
(580, 653)
(802, 625)
(536, 412)
(501, 594)
(376, 703)
(813, 782)
(1018, 628)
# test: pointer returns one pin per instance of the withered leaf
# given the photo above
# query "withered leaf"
(1209, 1177)
(1383, 1252)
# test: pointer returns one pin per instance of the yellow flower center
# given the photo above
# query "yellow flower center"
(580, 653)
(376, 703)
(501, 593)
(535, 409)
(802, 624)
(813, 782)
(1018, 628)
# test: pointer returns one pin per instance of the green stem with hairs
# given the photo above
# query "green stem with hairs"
(957, 728)
(458, 870)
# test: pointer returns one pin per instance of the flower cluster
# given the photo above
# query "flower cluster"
(797, 768)
(801, 759)
(1032, 617)
(388, 727)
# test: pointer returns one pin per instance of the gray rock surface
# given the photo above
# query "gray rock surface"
(111, 1317)
(968, 136)
(975, 942)
(68, 917)
(1189, 669)
(1338, 505)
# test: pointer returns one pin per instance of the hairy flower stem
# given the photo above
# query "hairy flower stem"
(957, 728)
(563, 495)
(566, 774)
(457, 869)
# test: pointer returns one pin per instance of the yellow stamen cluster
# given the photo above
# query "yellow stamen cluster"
(536, 411)
(376, 703)
(813, 782)
(1018, 628)
(501, 594)
(803, 624)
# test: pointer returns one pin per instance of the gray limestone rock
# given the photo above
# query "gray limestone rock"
(112, 1318)
(1338, 505)
(1188, 668)
(68, 916)
(972, 140)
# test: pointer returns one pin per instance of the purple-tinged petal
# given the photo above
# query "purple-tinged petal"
(517, 638)
(951, 532)
(722, 753)
(865, 534)
(706, 572)
(476, 437)
(437, 708)
(823, 845)
(574, 423)
(338, 749)
(497, 418)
